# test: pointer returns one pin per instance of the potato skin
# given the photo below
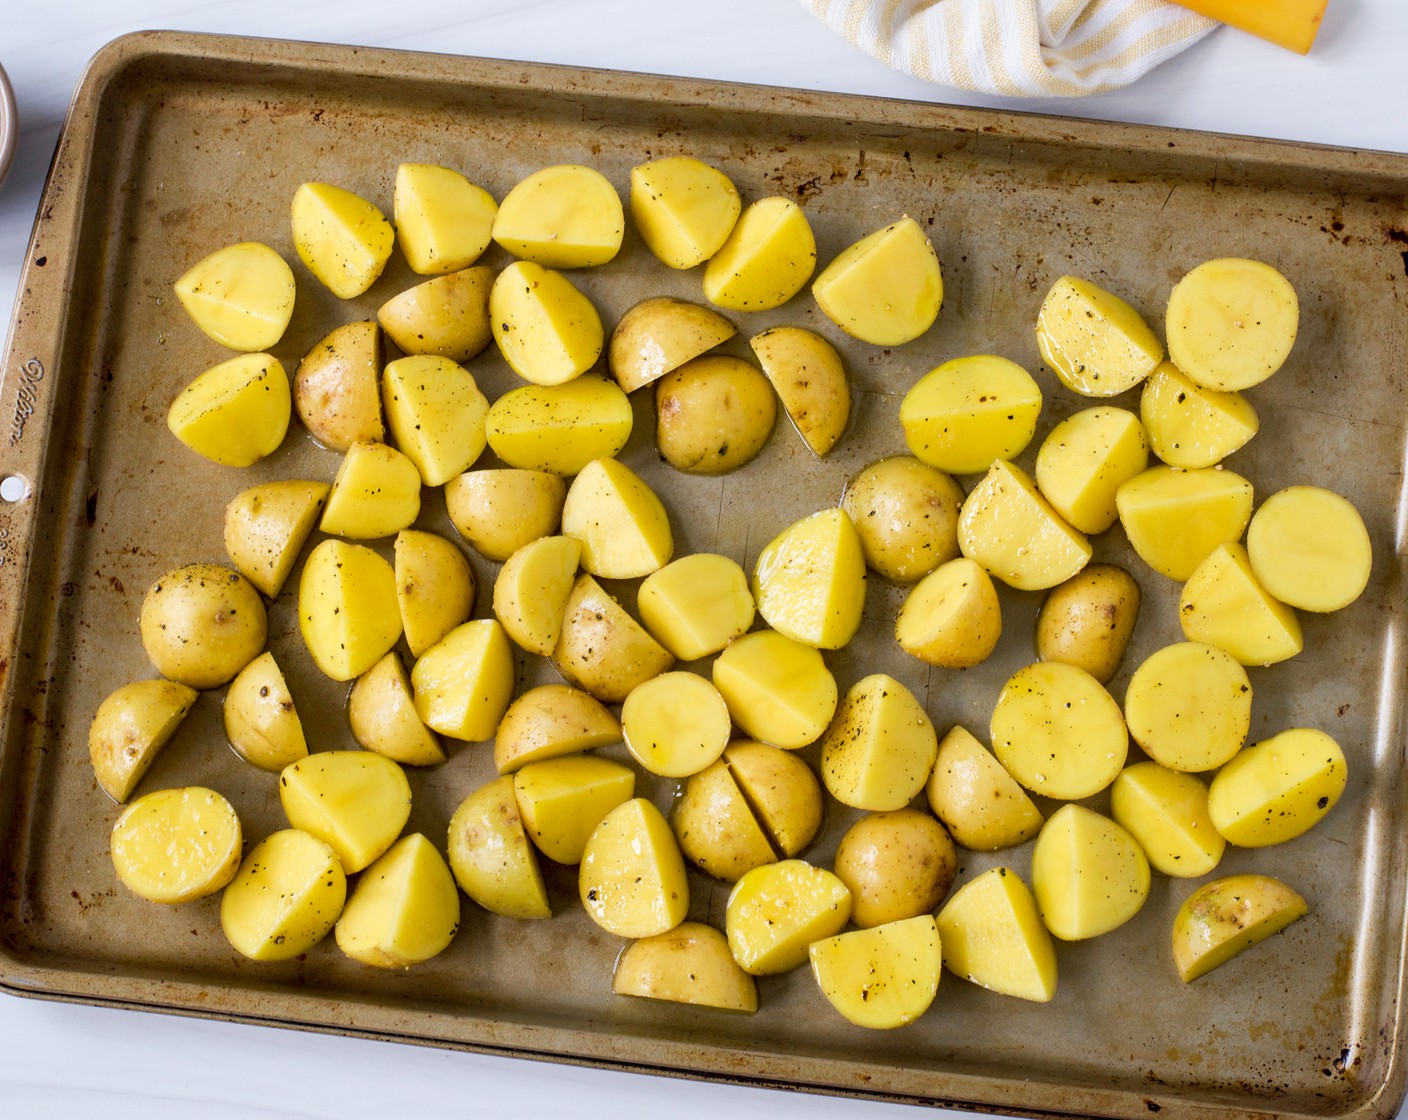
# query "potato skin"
(1088, 619)
(907, 515)
(713, 414)
(897, 865)
(202, 623)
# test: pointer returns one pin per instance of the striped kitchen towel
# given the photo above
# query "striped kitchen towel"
(1017, 48)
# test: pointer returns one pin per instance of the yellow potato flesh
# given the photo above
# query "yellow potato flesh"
(1190, 426)
(1089, 874)
(1223, 604)
(683, 208)
(463, 684)
(883, 977)
(176, 845)
(1058, 732)
(560, 428)
(777, 690)
(963, 415)
(447, 316)
(266, 527)
(436, 414)
(885, 289)
(241, 296)
(336, 389)
(688, 964)
(1227, 916)
(810, 380)
(499, 511)
(490, 854)
(991, 934)
(952, 617)
(1175, 518)
(717, 829)
(201, 624)
(376, 493)
(660, 334)
(1231, 323)
(434, 587)
(383, 716)
(285, 898)
(562, 800)
(356, 802)
(550, 721)
(1189, 706)
(621, 522)
(1098, 345)
(1008, 527)
(776, 911)
(809, 580)
(1309, 548)
(130, 727)
(531, 590)
(782, 791)
(1278, 788)
(675, 724)
(347, 608)
(983, 807)
(404, 909)
(565, 216)
(602, 649)
(879, 750)
(443, 221)
(261, 721)
(234, 413)
(344, 240)
(768, 258)
(696, 605)
(1085, 459)
(1166, 811)
(632, 876)
(546, 329)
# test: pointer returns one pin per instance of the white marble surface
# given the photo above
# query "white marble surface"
(60, 1061)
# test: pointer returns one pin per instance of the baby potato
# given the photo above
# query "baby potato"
(632, 877)
(688, 964)
(1009, 527)
(376, 493)
(560, 428)
(564, 216)
(176, 845)
(981, 805)
(675, 724)
(348, 612)
(768, 258)
(130, 727)
(809, 580)
(266, 527)
(778, 690)
(661, 334)
(343, 239)
(963, 415)
(991, 933)
(879, 749)
(562, 800)
(1089, 875)
(498, 511)
(683, 208)
(906, 513)
(261, 721)
(551, 721)
(463, 683)
(1098, 345)
(234, 413)
(285, 898)
(1191, 426)
(717, 829)
(547, 330)
(782, 791)
(880, 977)
(1309, 548)
(1088, 620)
(696, 605)
(404, 909)
(810, 380)
(713, 414)
(490, 854)
(434, 587)
(1189, 706)
(885, 289)
(446, 316)
(443, 221)
(1175, 518)
(1223, 604)
(1167, 812)
(776, 911)
(357, 802)
(201, 624)
(1277, 789)
(241, 296)
(531, 590)
(897, 864)
(1083, 462)
(336, 389)
(621, 522)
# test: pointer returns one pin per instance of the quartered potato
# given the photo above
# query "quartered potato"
(718, 831)
(983, 807)
(234, 413)
(1227, 916)
(810, 380)
(463, 683)
(620, 521)
(768, 258)
(1084, 461)
(1175, 518)
(551, 721)
(434, 587)
(809, 580)
(688, 964)
(266, 527)
(130, 727)
(1231, 323)
(660, 334)
(1098, 345)
(675, 724)
(382, 715)
(906, 513)
(348, 610)
(1191, 426)
(1008, 527)
(285, 898)
(261, 720)
(337, 387)
(880, 977)
(952, 617)
(562, 800)
(1309, 548)
(176, 845)
(443, 221)
(602, 649)
(1089, 874)
(531, 591)
(886, 288)
(1089, 619)
(376, 493)
(201, 624)
(879, 749)
(241, 296)
(436, 414)
(713, 414)
(547, 330)
(963, 415)
(898, 864)
(991, 933)
(356, 802)
(632, 877)
(696, 605)
(683, 208)
(490, 854)
(1223, 604)
(404, 909)
(447, 316)
(778, 690)
(560, 428)
(343, 239)
(499, 510)
(776, 911)
(564, 216)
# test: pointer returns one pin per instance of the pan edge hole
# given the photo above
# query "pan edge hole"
(13, 489)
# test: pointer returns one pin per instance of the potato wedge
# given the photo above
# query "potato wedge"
(660, 334)
(382, 714)
(882, 976)
(810, 380)
(1098, 344)
(1223, 604)
(285, 898)
(241, 296)
(434, 587)
(1008, 527)
(234, 413)
(696, 605)
(1227, 916)
(885, 289)
(963, 415)
(632, 877)
(778, 690)
(879, 749)
(562, 800)
(1084, 461)
(560, 428)
(683, 208)
(490, 854)
(129, 729)
(343, 239)
(1166, 811)
(718, 831)
(621, 522)
(1089, 874)
(550, 721)
(336, 388)
(357, 802)
(404, 909)
(463, 683)
(266, 527)
(498, 511)
(991, 933)
(547, 330)
(1278, 789)
(531, 591)
(348, 612)
(443, 221)
(776, 911)
(768, 258)
(809, 580)
(1175, 518)
(983, 807)
(602, 649)
(688, 964)
(952, 617)
(376, 493)
(1190, 426)
(446, 316)
(261, 721)
(436, 413)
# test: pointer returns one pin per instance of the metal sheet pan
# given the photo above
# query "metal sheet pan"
(177, 144)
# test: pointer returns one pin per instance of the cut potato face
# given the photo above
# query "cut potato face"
(565, 216)
(675, 724)
(1227, 916)
(1278, 788)
(619, 520)
(1231, 323)
(337, 387)
(632, 877)
(531, 591)
(899, 864)
(776, 911)
(1084, 461)
(882, 977)
(376, 493)
(383, 717)
(1089, 874)
(906, 513)
(952, 617)
(602, 649)
(447, 316)
(1175, 518)
(547, 330)
(266, 527)
(688, 964)
(261, 720)
(1309, 548)
(404, 909)
(696, 605)
(778, 690)
(809, 580)
(551, 721)
(1166, 811)
(201, 624)
(1058, 732)
(1088, 620)
(176, 845)
(1098, 345)
(234, 413)
(810, 380)
(241, 296)
(879, 749)
(969, 412)
(660, 334)
(436, 415)
(885, 289)
(498, 511)
(991, 933)
(356, 802)
(434, 587)
(713, 414)
(348, 612)
(1189, 706)
(983, 807)
(683, 208)
(562, 800)
(443, 221)
(1190, 426)
(463, 683)
(285, 898)
(343, 239)
(1008, 527)
(768, 258)
(1223, 604)
(129, 729)
(560, 428)
(490, 854)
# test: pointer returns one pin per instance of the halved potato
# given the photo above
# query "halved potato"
(1309, 548)
(551, 721)
(660, 334)
(1227, 916)
(447, 316)
(498, 511)
(809, 580)
(176, 845)
(688, 964)
(434, 587)
(463, 683)
(560, 428)
(906, 513)
(201, 624)
(564, 216)
(241, 296)
(1231, 323)
(713, 414)
(348, 612)
(337, 387)
(443, 221)
(266, 527)
(234, 413)
(1098, 345)
(675, 724)
(621, 522)
(376, 493)
(632, 877)
(683, 208)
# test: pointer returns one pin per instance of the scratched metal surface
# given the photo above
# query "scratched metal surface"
(180, 144)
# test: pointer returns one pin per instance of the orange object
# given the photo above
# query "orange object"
(1288, 23)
